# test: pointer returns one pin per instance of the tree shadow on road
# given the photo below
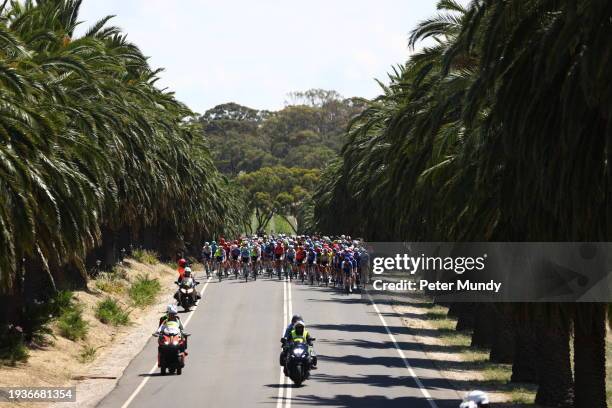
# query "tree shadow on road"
(404, 345)
(350, 401)
(155, 374)
(357, 328)
(344, 300)
(286, 385)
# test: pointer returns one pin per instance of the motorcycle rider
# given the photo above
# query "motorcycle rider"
(299, 334)
(182, 264)
(475, 399)
(286, 337)
(171, 316)
(294, 319)
(188, 274)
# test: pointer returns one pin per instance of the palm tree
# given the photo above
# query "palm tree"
(91, 151)
(509, 91)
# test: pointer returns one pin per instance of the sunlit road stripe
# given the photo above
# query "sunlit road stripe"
(424, 391)
(290, 316)
(152, 370)
(281, 381)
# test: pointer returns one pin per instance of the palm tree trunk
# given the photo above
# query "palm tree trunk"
(524, 367)
(109, 250)
(453, 309)
(554, 369)
(590, 356)
(502, 349)
(482, 336)
(465, 316)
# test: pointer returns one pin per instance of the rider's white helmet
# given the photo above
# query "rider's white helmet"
(475, 399)
(171, 309)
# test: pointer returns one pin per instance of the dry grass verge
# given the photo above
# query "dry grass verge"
(465, 367)
(63, 359)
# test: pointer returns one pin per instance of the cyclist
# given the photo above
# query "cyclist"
(268, 253)
(220, 259)
(311, 260)
(234, 255)
(256, 257)
(300, 257)
(207, 253)
(245, 256)
(290, 256)
(279, 252)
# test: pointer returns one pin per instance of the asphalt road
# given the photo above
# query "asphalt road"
(366, 357)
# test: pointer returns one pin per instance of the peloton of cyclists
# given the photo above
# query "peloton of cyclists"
(311, 259)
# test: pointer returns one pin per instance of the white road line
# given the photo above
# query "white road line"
(290, 316)
(152, 370)
(424, 391)
(281, 380)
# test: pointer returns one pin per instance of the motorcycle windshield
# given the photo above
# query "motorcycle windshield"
(187, 282)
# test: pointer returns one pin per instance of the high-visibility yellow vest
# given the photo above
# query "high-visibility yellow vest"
(296, 338)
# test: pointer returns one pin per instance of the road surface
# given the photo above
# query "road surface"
(366, 357)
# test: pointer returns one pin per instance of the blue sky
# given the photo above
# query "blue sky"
(254, 52)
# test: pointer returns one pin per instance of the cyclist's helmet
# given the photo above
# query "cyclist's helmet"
(171, 310)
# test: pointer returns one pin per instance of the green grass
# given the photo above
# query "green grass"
(110, 283)
(144, 291)
(280, 226)
(62, 302)
(145, 256)
(108, 311)
(87, 354)
(12, 348)
(72, 325)
(277, 225)
(493, 375)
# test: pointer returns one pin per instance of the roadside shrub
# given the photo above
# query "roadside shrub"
(88, 354)
(109, 312)
(144, 290)
(145, 256)
(39, 312)
(61, 302)
(109, 283)
(72, 325)
(12, 346)
(119, 273)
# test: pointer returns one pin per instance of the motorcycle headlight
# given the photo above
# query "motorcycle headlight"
(175, 343)
(298, 352)
(190, 290)
(183, 291)
(166, 342)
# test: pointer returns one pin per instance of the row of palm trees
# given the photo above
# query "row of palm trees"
(92, 154)
(498, 129)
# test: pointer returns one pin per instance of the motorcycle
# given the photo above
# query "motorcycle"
(298, 362)
(171, 350)
(186, 294)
